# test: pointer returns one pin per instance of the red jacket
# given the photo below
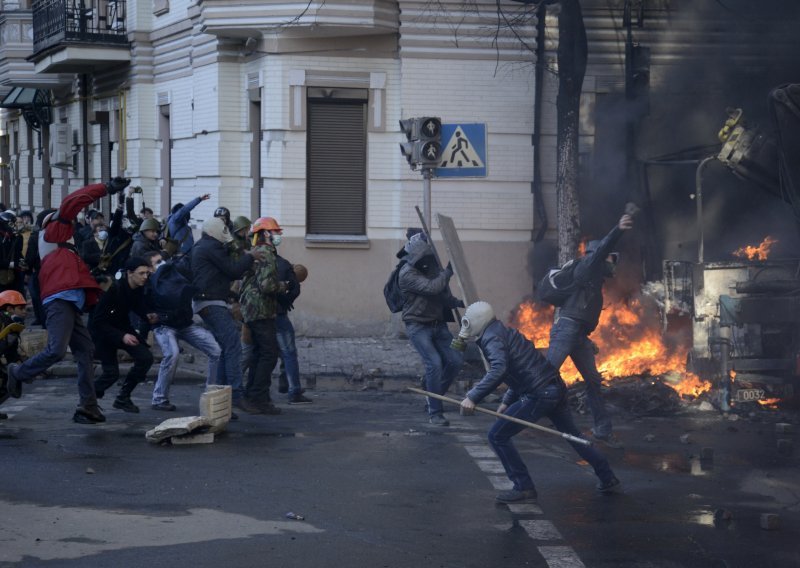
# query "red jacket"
(63, 268)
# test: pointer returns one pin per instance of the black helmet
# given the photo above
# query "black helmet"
(223, 212)
(8, 217)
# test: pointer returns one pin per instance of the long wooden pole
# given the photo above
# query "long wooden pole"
(568, 437)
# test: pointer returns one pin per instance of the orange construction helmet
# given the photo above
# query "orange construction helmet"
(12, 297)
(266, 224)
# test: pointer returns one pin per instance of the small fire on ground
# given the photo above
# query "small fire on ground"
(760, 252)
(629, 341)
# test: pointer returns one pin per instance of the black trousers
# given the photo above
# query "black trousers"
(265, 357)
(106, 351)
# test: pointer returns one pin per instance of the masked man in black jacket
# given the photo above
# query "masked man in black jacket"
(535, 390)
(578, 318)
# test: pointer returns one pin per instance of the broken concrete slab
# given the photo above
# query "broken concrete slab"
(176, 427)
(204, 438)
(216, 406)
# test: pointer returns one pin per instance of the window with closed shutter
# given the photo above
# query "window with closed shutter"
(336, 162)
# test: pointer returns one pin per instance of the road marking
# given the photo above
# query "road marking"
(491, 466)
(561, 557)
(479, 452)
(500, 482)
(540, 529)
(525, 508)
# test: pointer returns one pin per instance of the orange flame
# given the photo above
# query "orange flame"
(761, 252)
(629, 340)
(769, 402)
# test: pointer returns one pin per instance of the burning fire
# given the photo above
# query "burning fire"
(769, 402)
(629, 340)
(761, 252)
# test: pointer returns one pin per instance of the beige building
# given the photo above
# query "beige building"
(291, 110)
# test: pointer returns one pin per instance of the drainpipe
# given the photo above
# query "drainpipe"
(536, 185)
(85, 126)
(698, 195)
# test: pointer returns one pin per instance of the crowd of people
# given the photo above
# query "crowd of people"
(134, 275)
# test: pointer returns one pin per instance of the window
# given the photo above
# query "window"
(336, 162)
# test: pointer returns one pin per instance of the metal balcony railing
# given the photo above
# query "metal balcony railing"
(57, 22)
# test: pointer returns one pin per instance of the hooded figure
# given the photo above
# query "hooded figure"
(578, 317)
(213, 271)
(426, 310)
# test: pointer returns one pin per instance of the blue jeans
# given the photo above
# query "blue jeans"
(568, 338)
(65, 327)
(229, 371)
(550, 402)
(442, 364)
(288, 353)
(167, 338)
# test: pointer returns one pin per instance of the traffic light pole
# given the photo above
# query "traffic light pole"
(426, 194)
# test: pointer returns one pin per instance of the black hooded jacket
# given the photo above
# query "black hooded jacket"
(425, 286)
(586, 303)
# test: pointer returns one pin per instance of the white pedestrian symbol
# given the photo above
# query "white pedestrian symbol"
(459, 153)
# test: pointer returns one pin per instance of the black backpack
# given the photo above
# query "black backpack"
(392, 292)
(558, 284)
(169, 293)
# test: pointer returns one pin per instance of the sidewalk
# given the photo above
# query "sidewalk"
(325, 362)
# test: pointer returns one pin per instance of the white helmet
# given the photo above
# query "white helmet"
(476, 318)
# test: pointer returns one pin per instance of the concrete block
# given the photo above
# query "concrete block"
(204, 438)
(770, 521)
(706, 406)
(216, 406)
(784, 428)
(175, 427)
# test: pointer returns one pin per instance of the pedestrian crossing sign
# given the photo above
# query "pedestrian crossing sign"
(463, 151)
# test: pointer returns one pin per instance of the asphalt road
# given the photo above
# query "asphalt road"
(378, 487)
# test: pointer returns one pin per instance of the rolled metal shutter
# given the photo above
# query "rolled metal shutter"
(336, 166)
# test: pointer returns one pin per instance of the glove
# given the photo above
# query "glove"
(117, 184)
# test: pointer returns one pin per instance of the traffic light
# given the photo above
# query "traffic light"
(424, 147)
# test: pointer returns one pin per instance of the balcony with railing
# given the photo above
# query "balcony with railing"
(299, 18)
(79, 36)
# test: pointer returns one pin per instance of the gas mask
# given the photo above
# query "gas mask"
(102, 235)
(276, 239)
(477, 317)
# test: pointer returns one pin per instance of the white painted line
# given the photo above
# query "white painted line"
(540, 530)
(490, 466)
(470, 438)
(16, 408)
(500, 482)
(561, 557)
(480, 451)
(525, 508)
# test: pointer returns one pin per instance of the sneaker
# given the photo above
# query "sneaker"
(269, 408)
(125, 404)
(299, 399)
(88, 414)
(613, 485)
(438, 420)
(166, 405)
(14, 385)
(516, 496)
(246, 406)
(609, 440)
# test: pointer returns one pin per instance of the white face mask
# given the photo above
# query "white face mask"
(276, 240)
(102, 235)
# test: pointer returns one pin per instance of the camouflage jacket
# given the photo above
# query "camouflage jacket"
(260, 287)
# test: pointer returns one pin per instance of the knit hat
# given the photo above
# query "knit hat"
(135, 262)
(217, 229)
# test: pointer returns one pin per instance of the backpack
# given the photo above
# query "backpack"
(558, 284)
(392, 292)
(170, 294)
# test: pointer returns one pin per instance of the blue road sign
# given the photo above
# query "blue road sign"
(463, 151)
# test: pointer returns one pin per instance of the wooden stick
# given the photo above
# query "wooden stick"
(568, 437)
